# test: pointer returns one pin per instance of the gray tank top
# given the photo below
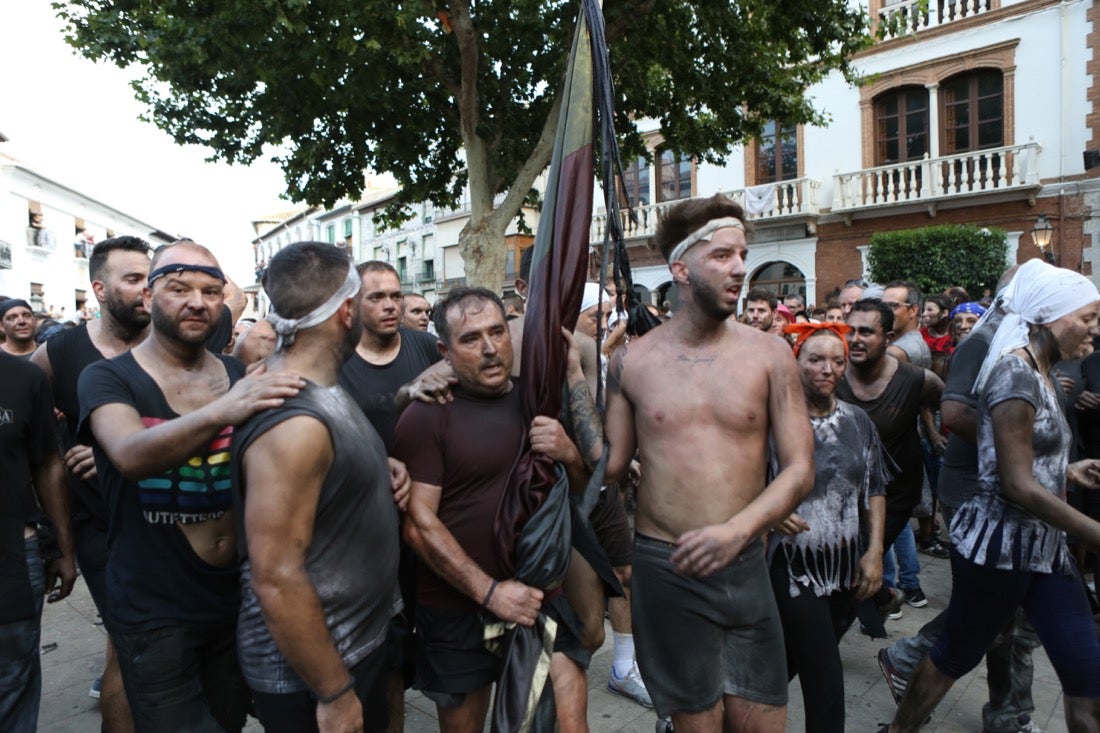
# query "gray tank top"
(352, 558)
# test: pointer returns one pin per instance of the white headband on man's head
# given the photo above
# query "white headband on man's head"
(288, 328)
(703, 234)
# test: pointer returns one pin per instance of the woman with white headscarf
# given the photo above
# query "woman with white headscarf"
(1010, 537)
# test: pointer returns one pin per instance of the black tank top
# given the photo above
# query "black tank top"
(70, 351)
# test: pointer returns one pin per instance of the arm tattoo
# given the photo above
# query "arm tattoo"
(615, 370)
(587, 428)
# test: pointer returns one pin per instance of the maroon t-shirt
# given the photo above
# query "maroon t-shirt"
(467, 447)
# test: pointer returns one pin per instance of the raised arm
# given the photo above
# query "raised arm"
(139, 451)
(431, 385)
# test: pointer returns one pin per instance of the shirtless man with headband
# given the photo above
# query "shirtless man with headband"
(705, 498)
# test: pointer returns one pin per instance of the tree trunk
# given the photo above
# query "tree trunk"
(481, 244)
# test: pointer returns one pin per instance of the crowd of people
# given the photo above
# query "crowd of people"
(297, 517)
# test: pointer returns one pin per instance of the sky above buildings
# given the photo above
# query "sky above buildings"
(77, 122)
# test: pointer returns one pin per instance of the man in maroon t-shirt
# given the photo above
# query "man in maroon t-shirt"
(459, 456)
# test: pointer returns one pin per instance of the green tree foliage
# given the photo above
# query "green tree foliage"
(445, 93)
(938, 257)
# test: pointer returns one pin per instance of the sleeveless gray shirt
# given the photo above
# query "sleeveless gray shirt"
(352, 558)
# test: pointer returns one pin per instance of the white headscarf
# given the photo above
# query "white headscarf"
(287, 328)
(592, 296)
(1038, 293)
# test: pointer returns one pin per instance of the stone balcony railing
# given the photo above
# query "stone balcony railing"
(994, 170)
(902, 18)
(797, 197)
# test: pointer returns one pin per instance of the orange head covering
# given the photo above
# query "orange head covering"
(803, 331)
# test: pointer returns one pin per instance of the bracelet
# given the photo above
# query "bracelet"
(326, 699)
(485, 603)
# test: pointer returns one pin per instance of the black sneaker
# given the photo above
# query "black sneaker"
(664, 725)
(916, 598)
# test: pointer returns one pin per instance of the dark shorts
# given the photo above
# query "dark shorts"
(296, 712)
(451, 658)
(612, 528)
(699, 639)
(181, 679)
(90, 542)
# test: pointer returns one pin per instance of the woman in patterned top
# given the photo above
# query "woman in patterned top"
(1010, 537)
(819, 567)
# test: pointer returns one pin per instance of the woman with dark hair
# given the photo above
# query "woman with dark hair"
(1010, 537)
(819, 567)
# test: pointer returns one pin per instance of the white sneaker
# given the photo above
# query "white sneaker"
(630, 685)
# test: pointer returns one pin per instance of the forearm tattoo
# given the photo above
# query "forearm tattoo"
(587, 427)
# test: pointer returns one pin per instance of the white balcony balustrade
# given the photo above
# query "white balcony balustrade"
(994, 170)
(797, 197)
(896, 19)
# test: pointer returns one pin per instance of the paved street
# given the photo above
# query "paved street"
(69, 669)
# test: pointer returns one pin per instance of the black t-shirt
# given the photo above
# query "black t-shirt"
(895, 413)
(467, 447)
(154, 577)
(373, 387)
(70, 352)
(223, 332)
(27, 434)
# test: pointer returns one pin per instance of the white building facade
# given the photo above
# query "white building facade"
(47, 231)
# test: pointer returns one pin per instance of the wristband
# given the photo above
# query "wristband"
(326, 699)
(485, 603)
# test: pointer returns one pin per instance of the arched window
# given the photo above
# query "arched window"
(901, 125)
(782, 278)
(973, 111)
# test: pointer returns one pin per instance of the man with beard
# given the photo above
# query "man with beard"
(892, 392)
(118, 268)
(709, 643)
(760, 306)
(162, 417)
(312, 495)
(17, 324)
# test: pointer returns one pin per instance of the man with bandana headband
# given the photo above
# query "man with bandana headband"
(162, 417)
(312, 492)
(705, 496)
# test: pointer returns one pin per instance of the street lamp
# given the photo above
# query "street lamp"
(1041, 234)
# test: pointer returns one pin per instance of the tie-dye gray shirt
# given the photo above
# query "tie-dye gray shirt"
(988, 529)
(849, 466)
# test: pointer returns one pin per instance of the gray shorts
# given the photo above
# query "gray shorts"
(699, 639)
